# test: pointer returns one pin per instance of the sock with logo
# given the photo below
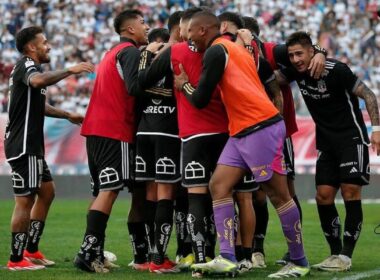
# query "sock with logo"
(262, 217)
(17, 246)
(181, 209)
(150, 215)
(352, 226)
(197, 224)
(291, 227)
(163, 229)
(36, 229)
(330, 223)
(211, 230)
(224, 221)
(94, 235)
(139, 242)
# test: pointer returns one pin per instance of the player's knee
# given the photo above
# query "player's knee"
(351, 193)
(218, 190)
(324, 197)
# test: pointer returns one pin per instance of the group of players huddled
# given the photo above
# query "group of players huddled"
(196, 120)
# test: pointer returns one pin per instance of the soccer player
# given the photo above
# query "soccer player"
(33, 185)
(109, 128)
(342, 143)
(158, 164)
(277, 57)
(203, 134)
(257, 133)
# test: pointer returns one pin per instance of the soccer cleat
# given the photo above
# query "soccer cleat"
(219, 265)
(23, 265)
(244, 266)
(324, 262)
(258, 260)
(284, 260)
(197, 274)
(37, 258)
(291, 270)
(95, 266)
(166, 267)
(184, 263)
(336, 264)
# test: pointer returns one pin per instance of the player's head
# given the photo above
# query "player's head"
(230, 22)
(300, 50)
(203, 27)
(31, 41)
(173, 25)
(252, 25)
(185, 20)
(160, 35)
(131, 24)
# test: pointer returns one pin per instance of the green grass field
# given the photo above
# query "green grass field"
(66, 224)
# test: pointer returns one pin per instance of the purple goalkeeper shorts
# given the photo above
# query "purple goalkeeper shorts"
(260, 152)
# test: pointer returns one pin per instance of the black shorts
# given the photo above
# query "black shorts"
(200, 155)
(28, 172)
(248, 184)
(349, 165)
(111, 164)
(158, 158)
(289, 157)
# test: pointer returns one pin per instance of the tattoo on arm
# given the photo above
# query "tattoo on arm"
(370, 102)
(48, 78)
(51, 111)
(276, 95)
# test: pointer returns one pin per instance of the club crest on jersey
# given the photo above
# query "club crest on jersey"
(29, 63)
(322, 86)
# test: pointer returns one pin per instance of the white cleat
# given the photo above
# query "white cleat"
(244, 266)
(258, 260)
(291, 271)
(336, 264)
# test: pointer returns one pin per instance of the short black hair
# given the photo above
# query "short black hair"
(252, 25)
(232, 17)
(123, 16)
(299, 37)
(156, 33)
(25, 35)
(174, 20)
(188, 13)
(212, 19)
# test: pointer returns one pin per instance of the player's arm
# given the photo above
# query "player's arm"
(54, 112)
(40, 80)
(317, 64)
(370, 100)
(214, 62)
(281, 77)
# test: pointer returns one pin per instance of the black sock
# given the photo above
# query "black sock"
(18, 244)
(330, 223)
(181, 209)
(247, 253)
(150, 215)
(94, 235)
(139, 243)
(296, 201)
(163, 225)
(239, 253)
(197, 219)
(211, 230)
(262, 216)
(36, 229)
(352, 226)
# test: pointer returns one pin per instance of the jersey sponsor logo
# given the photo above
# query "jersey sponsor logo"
(29, 63)
(159, 110)
(108, 175)
(165, 166)
(194, 170)
(314, 96)
(350, 163)
(156, 101)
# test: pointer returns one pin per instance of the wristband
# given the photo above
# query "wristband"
(375, 128)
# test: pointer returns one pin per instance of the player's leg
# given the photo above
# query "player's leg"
(26, 178)
(260, 206)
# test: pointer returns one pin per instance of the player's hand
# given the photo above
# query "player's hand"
(81, 67)
(245, 35)
(154, 47)
(75, 118)
(317, 65)
(181, 78)
(375, 141)
(161, 50)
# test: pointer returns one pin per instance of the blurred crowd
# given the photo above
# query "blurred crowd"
(82, 30)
